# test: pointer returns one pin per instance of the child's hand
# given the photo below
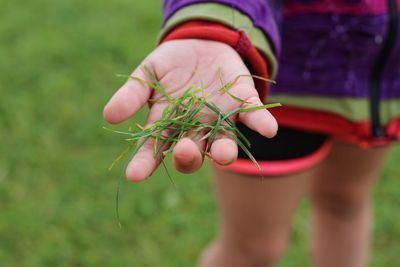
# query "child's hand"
(179, 64)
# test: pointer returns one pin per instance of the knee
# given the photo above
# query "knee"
(265, 253)
(342, 204)
(261, 251)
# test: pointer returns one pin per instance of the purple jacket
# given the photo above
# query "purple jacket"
(327, 48)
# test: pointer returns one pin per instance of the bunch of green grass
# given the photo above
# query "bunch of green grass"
(183, 117)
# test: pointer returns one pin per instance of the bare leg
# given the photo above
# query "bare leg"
(340, 198)
(255, 217)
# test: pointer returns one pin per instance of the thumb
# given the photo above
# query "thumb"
(129, 98)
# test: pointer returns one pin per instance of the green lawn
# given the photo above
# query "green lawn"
(57, 66)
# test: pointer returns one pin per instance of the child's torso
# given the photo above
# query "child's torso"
(330, 48)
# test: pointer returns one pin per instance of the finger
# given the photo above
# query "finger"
(128, 99)
(260, 120)
(145, 162)
(198, 138)
(224, 150)
(187, 156)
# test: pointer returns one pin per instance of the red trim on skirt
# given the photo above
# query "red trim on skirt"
(279, 167)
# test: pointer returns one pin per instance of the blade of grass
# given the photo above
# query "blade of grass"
(267, 106)
(117, 197)
(156, 84)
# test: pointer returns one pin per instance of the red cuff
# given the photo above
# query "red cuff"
(238, 40)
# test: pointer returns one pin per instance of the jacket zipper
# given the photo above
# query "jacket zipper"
(378, 69)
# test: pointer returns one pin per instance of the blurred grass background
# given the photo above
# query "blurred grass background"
(57, 66)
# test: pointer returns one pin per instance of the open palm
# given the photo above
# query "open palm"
(179, 65)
